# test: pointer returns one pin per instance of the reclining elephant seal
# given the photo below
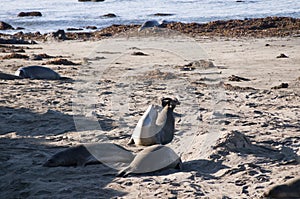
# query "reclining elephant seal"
(151, 159)
(96, 153)
(150, 24)
(156, 128)
(290, 189)
(37, 72)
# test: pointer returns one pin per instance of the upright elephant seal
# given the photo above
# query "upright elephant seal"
(156, 128)
(151, 159)
(166, 135)
(96, 153)
(37, 72)
(287, 190)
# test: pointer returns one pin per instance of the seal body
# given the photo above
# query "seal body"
(149, 24)
(288, 190)
(151, 159)
(147, 128)
(98, 153)
(5, 76)
(166, 134)
(156, 127)
(37, 72)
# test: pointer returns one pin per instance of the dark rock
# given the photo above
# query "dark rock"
(139, 54)
(282, 85)
(282, 56)
(109, 15)
(106, 34)
(74, 29)
(162, 14)
(20, 28)
(30, 14)
(91, 27)
(5, 26)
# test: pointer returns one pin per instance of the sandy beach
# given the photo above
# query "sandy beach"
(237, 127)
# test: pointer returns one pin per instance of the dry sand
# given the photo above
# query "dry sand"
(236, 139)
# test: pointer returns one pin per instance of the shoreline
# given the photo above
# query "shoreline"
(254, 27)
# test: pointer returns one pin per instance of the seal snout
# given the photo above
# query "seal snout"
(171, 102)
(49, 163)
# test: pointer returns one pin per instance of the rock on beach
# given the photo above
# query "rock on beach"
(30, 14)
(5, 26)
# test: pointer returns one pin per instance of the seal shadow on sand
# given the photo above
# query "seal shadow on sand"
(24, 175)
(52, 122)
(200, 168)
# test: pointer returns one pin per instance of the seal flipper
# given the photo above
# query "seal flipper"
(131, 141)
(123, 173)
(179, 166)
(81, 163)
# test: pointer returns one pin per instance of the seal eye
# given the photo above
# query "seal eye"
(22, 74)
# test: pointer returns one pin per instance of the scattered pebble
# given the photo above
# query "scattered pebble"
(282, 56)
(139, 54)
(282, 85)
(237, 78)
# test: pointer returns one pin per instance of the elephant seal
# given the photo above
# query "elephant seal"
(166, 135)
(152, 158)
(37, 72)
(149, 24)
(290, 189)
(96, 153)
(156, 128)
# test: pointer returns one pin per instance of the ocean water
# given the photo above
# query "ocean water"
(63, 14)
